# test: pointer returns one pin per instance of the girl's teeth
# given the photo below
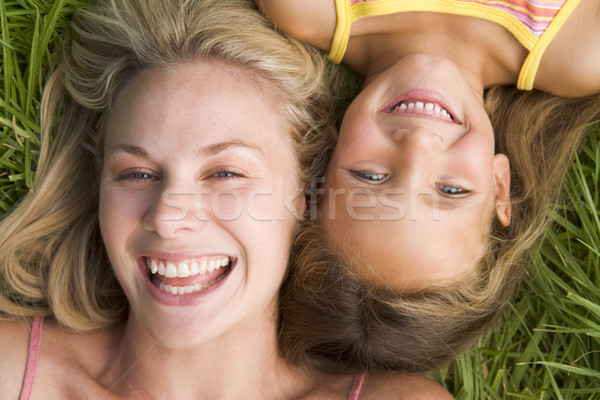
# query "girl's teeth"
(431, 108)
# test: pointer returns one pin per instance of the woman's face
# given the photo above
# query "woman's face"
(413, 182)
(199, 200)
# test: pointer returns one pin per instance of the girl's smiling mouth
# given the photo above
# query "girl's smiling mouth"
(433, 110)
(422, 103)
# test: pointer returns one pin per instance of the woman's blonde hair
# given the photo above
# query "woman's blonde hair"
(334, 319)
(53, 260)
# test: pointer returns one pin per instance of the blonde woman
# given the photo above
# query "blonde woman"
(444, 168)
(147, 261)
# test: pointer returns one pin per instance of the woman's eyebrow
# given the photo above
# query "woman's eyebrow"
(127, 148)
(206, 151)
(216, 148)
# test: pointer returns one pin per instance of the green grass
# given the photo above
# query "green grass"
(30, 39)
(546, 347)
(548, 344)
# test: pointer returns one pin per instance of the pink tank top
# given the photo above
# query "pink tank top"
(32, 356)
(34, 347)
(356, 387)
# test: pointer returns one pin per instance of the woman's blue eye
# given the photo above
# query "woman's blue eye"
(451, 190)
(226, 175)
(373, 177)
(136, 176)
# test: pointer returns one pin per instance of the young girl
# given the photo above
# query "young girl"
(443, 170)
(150, 253)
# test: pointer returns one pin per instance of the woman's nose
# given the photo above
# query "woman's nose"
(174, 211)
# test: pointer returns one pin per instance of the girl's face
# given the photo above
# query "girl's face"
(198, 201)
(414, 181)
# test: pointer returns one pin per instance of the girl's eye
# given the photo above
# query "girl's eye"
(370, 177)
(451, 190)
(141, 175)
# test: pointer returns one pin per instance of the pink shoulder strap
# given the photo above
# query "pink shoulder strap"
(356, 387)
(32, 356)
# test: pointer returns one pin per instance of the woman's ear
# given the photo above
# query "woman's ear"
(502, 186)
(333, 133)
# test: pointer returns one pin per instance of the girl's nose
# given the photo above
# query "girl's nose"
(417, 143)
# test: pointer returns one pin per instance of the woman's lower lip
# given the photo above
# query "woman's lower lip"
(185, 299)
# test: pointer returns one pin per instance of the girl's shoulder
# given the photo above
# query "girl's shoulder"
(15, 333)
(402, 386)
(312, 21)
(571, 62)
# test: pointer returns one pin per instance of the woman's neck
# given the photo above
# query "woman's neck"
(238, 364)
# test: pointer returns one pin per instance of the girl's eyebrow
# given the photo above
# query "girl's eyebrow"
(444, 203)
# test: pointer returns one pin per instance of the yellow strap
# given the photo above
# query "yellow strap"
(342, 31)
(347, 14)
(532, 62)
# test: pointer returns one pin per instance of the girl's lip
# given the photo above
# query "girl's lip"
(425, 96)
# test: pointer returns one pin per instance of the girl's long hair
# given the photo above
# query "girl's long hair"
(334, 320)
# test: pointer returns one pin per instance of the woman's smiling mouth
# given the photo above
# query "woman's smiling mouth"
(188, 276)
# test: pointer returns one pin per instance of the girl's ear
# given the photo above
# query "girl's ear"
(502, 184)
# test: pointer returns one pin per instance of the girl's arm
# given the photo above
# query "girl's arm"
(312, 21)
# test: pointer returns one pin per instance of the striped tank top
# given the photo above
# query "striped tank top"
(534, 23)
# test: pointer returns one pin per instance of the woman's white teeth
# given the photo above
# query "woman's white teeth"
(178, 290)
(184, 269)
(171, 271)
(431, 109)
